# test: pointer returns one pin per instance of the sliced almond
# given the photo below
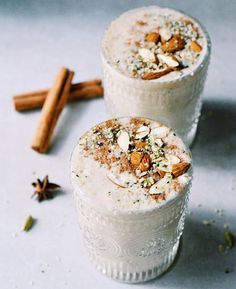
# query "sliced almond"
(147, 55)
(145, 163)
(123, 141)
(152, 37)
(135, 158)
(176, 43)
(159, 186)
(180, 168)
(165, 34)
(160, 132)
(195, 46)
(172, 159)
(116, 180)
(169, 60)
(156, 75)
(142, 131)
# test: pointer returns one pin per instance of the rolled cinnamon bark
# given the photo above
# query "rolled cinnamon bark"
(52, 108)
(79, 91)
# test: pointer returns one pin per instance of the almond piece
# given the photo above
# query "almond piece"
(195, 46)
(140, 144)
(142, 131)
(160, 132)
(169, 60)
(147, 55)
(156, 75)
(116, 180)
(145, 163)
(161, 173)
(135, 158)
(123, 141)
(180, 168)
(159, 197)
(152, 37)
(159, 186)
(165, 34)
(176, 43)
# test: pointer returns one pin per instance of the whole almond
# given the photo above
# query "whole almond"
(176, 43)
(145, 163)
(135, 158)
(156, 75)
(179, 169)
(195, 46)
(152, 37)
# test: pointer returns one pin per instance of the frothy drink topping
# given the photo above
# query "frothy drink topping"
(153, 42)
(130, 163)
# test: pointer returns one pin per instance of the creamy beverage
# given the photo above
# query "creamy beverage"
(155, 62)
(131, 179)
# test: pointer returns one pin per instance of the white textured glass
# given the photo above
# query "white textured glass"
(131, 247)
(176, 103)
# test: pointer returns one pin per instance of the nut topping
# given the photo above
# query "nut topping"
(156, 75)
(123, 141)
(195, 46)
(145, 163)
(116, 179)
(165, 34)
(176, 43)
(152, 37)
(147, 55)
(179, 169)
(169, 60)
(135, 158)
(142, 132)
(160, 132)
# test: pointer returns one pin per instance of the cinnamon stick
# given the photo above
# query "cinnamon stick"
(83, 90)
(52, 108)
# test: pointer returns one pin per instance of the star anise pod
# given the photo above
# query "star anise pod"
(44, 189)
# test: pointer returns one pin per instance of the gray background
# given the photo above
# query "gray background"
(36, 39)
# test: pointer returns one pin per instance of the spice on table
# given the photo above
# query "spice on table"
(229, 238)
(79, 91)
(44, 190)
(28, 224)
(52, 108)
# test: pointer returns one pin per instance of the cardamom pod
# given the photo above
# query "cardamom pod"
(28, 223)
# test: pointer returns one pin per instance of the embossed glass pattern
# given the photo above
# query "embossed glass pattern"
(132, 247)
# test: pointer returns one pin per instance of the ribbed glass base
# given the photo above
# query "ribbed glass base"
(136, 277)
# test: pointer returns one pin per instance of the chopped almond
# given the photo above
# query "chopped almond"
(176, 43)
(153, 37)
(140, 144)
(195, 46)
(161, 173)
(145, 163)
(135, 158)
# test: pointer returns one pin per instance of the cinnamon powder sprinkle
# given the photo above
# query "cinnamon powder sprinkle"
(148, 159)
